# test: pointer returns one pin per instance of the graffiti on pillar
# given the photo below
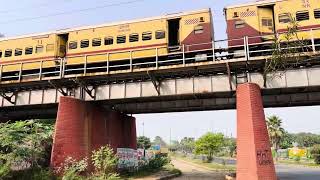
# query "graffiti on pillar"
(263, 157)
(128, 158)
(131, 159)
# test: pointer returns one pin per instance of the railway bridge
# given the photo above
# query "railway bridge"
(94, 105)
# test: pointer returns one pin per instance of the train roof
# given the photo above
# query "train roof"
(67, 30)
(258, 2)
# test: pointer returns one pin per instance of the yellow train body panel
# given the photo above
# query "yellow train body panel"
(41, 47)
(142, 39)
(268, 17)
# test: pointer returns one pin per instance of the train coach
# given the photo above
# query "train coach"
(261, 19)
(113, 45)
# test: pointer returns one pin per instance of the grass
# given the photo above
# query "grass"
(211, 166)
(308, 163)
(168, 169)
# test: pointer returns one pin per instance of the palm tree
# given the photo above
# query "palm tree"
(276, 132)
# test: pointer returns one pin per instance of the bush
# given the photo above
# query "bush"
(32, 174)
(105, 163)
(315, 152)
(72, 169)
(158, 162)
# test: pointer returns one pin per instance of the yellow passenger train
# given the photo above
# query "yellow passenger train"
(139, 42)
(114, 43)
(260, 18)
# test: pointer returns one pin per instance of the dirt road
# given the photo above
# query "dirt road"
(194, 172)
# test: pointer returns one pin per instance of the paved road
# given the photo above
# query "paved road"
(191, 171)
(287, 172)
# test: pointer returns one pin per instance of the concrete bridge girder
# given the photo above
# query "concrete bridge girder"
(291, 87)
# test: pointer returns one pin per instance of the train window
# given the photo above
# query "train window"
(284, 18)
(302, 15)
(8, 53)
(0, 54)
(198, 29)
(108, 41)
(18, 52)
(50, 48)
(121, 39)
(28, 50)
(146, 36)
(266, 22)
(39, 49)
(235, 14)
(201, 19)
(239, 24)
(317, 13)
(160, 34)
(134, 37)
(73, 45)
(96, 42)
(84, 43)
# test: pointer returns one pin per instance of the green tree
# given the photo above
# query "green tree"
(287, 140)
(307, 139)
(143, 142)
(315, 152)
(187, 144)
(231, 145)
(276, 132)
(209, 144)
(27, 143)
(159, 141)
(174, 145)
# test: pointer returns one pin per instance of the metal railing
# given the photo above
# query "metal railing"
(247, 48)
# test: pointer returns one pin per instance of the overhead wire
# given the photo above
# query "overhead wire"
(70, 12)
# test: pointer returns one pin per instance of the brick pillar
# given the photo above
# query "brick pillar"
(254, 157)
(82, 127)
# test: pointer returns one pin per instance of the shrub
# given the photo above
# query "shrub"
(156, 163)
(315, 152)
(105, 163)
(32, 174)
(71, 169)
(297, 158)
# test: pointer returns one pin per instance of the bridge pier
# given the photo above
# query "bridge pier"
(82, 127)
(254, 157)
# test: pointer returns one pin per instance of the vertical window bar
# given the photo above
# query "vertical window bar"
(157, 58)
(20, 72)
(1, 67)
(131, 61)
(85, 65)
(312, 41)
(40, 71)
(213, 51)
(183, 55)
(107, 63)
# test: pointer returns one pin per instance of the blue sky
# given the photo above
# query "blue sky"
(181, 124)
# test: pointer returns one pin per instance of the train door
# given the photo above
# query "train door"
(174, 32)
(62, 45)
(266, 19)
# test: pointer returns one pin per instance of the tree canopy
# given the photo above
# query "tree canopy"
(159, 141)
(209, 144)
(27, 143)
(143, 142)
(275, 130)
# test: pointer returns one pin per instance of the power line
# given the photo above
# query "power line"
(25, 8)
(70, 12)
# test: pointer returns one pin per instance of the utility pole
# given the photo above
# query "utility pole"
(142, 128)
(170, 137)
